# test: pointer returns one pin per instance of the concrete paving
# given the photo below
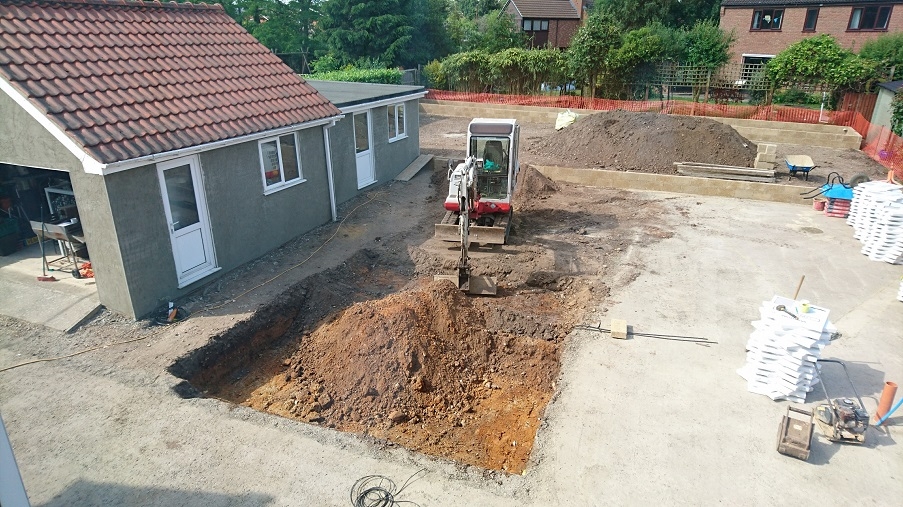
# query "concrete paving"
(59, 305)
(635, 422)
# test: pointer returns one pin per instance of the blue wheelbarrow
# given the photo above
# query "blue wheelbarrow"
(799, 163)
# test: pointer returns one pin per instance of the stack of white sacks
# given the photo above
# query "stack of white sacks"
(782, 350)
(876, 215)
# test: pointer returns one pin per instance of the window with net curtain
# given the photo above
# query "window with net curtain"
(279, 162)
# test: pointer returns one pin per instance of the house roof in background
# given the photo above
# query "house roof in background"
(126, 79)
(893, 86)
(344, 94)
(801, 3)
(551, 9)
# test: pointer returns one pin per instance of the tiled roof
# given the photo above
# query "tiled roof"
(792, 3)
(546, 9)
(125, 79)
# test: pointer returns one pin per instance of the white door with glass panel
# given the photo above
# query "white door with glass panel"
(186, 214)
(363, 149)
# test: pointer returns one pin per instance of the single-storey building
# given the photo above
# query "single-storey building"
(182, 146)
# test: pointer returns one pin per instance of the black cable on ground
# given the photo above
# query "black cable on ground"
(379, 491)
(672, 337)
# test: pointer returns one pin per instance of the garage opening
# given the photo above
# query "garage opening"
(42, 244)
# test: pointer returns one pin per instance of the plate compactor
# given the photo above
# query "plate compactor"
(842, 419)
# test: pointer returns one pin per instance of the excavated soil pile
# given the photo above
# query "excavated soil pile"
(427, 368)
(531, 186)
(648, 142)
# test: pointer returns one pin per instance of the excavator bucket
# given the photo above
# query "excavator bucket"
(474, 285)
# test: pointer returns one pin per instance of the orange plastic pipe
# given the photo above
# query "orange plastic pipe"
(887, 399)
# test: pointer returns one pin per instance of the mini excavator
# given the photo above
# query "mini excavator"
(478, 205)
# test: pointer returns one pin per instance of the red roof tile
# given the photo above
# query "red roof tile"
(129, 79)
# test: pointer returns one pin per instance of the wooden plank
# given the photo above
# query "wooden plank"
(716, 169)
(760, 179)
(411, 170)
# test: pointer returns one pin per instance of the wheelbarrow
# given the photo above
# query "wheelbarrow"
(799, 163)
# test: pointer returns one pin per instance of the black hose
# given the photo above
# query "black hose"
(379, 491)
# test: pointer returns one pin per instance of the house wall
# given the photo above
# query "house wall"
(881, 114)
(244, 223)
(832, 20)
(390, 158)
(25, 142)
(560, 30)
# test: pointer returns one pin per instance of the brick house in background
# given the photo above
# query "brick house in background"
(763, 28)
(549, 23)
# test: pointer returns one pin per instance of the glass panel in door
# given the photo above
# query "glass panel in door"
(183, 204)
(361, 135)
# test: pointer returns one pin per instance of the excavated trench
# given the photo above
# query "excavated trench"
(375, 347)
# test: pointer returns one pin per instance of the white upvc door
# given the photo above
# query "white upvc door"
(363, 148)
(186, 214)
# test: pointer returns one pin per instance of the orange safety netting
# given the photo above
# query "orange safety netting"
(878, 142)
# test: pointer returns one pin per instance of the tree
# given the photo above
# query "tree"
(590, 47)
(633, 14)
(707, 45)
(634, 62)
(820, 60)
(430, 36)
(366, 31)
(887, 51)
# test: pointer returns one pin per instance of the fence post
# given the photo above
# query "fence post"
(708, 82)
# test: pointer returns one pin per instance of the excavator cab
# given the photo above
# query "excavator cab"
(492, 145)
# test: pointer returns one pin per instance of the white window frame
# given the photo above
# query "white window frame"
(401, 133)
(283, 184)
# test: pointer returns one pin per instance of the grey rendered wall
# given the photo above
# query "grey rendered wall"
(24, 141)
(390, 158)
(881, 115)
(142, 235)
(96, 217)
(245, 224)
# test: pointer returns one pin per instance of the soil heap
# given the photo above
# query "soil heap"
(427, 368)
(648, 142)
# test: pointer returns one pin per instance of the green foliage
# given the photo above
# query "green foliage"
(282, 26)
(430, 36)
(374, 29)
(358, 75)
(896, 114)
(633, 14)
(468, 71)
(887, 51)
(794, 96)
(499, 32)
(707, 45)
(821, 60)
(590, 48)
(326, 63)
(435, 76)
(521, 71)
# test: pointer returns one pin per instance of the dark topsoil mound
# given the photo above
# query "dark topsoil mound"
(648, 142)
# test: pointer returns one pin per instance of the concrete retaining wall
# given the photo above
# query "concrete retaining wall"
(677, 184)
(758, 131)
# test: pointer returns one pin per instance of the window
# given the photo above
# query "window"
(536, 25)
(279, 163)
(396, 122)
(873, 17)
(767, 19)
(811, 20)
